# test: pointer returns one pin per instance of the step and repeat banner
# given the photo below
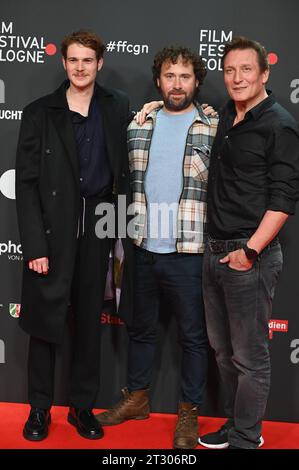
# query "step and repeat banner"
(30, 66)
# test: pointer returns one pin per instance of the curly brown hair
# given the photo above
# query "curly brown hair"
(173, 54)
(87, 39)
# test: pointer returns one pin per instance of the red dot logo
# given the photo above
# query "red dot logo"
(50, 49)
(272, 58)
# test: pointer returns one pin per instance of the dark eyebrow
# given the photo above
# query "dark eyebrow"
(84, 58)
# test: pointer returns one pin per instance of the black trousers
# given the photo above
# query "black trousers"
(87, 298)
(177, 276)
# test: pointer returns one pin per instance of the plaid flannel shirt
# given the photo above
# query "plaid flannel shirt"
(192, 213)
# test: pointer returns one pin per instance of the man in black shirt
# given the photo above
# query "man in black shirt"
(252, 190)
(72, 156)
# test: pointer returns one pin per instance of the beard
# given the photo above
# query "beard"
(180, 103)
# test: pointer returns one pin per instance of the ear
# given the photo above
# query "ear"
(100, 63)
(158, 82)
(63, 63)
(265, 76)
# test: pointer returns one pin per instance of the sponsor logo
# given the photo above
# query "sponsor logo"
(2, 352)
(10, 115)
(19, 48)
(108, 319)
(7, 184)
(294, 357)
(277, 325)
(2, 91)
(7, 114)
(13, 251)
(294, 97)
(14, 310)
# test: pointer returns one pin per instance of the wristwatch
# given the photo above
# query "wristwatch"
(250, 253)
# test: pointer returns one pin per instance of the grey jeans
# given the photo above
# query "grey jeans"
(238, 305)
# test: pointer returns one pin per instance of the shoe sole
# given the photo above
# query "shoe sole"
(73, 422)
(224, 445)
(213, 446)
(184, 447)
(120, 422)
(34, 438)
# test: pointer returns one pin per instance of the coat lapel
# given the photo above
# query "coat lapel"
(110, 113)
(61, 118)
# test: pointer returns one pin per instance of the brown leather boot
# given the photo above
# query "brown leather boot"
(133, 405)
(186, 431)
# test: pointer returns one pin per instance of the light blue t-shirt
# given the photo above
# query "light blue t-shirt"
(164, 179)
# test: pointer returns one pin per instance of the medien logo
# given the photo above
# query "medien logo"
(294, 357)
(294, 97)
(2, 352)
(16, 48)
(277, 325)
(13, 251)
(14, 310)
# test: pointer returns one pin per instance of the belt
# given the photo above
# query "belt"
(226, 246)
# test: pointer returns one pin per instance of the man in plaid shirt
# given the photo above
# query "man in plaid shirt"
(169, 159)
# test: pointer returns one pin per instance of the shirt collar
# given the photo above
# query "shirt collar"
(58, 98)
(199, 114)
(257, 110)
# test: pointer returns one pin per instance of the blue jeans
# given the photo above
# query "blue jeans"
(238, 305)
(178, 277)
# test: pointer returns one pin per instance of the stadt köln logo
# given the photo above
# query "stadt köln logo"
(14, 310)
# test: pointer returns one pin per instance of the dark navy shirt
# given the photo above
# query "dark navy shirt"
(254, 167)
(95, 172)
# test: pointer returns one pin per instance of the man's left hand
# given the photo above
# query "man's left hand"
(237, 260)
(209, 110)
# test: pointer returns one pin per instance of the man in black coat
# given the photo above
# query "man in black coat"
(71, 157)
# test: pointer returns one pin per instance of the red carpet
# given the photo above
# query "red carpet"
(153, 433)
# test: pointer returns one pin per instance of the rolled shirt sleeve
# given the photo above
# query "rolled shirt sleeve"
(284, 170)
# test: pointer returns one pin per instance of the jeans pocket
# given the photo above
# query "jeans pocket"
(239, 272)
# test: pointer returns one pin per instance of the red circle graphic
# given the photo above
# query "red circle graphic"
(272, 58)
(50, 49)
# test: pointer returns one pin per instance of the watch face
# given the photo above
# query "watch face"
(250, 253)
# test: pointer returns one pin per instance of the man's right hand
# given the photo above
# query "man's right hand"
(39, 265)
(140, 116)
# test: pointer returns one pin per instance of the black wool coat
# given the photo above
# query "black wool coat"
(48, 204)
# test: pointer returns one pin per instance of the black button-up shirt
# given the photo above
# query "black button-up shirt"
(254, 168)
(95, 172)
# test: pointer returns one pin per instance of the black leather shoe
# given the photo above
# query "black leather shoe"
(36, 427)
(86, 423)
